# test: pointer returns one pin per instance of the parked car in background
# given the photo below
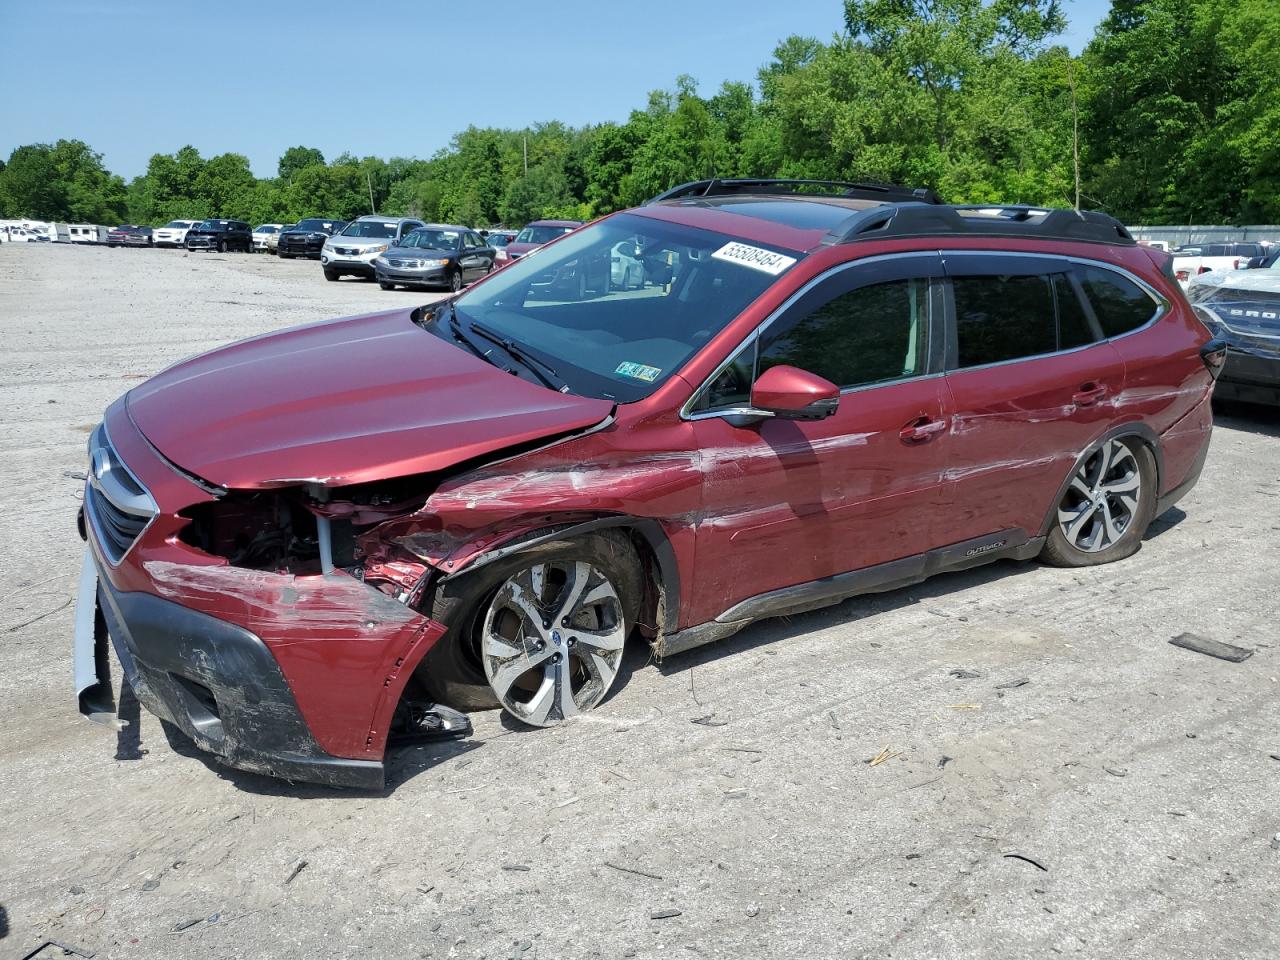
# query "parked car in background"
(10, 234)
(264, 233)
(500, 240)
(437, 255)
(173, 233)
(478, 501)
(306, 238)
(351, 250)
(538, 233)
(1190, 261)
(220, 235)
(273, 239)
(626, 269)
(1242, 307)
(1266, 260)
(129, 235)
(1161, 245)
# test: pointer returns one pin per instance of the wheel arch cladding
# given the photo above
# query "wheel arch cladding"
(653, 550)
(1134, 430)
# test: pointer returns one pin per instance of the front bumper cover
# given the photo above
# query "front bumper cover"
(215, 681)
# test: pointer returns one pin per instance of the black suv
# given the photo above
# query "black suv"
(306, 237)
(220, 235)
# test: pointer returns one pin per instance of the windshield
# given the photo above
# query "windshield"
(371, 229)
(541, 234)
(621, 305)
(214, 226)
(178, 224)
(265, 228)
(432, 239)
(498, 239)
(314, 225)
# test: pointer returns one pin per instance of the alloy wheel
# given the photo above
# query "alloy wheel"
(455, 282)
(1101, 503)
(551, 640)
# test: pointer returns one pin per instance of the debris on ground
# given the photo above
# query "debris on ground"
(709, 721)
(1275, 842)
(1115, 772)
(1015, 855)
(882, 756)
(638, 873)
(964, 706)
(517, 867)
(297, 869)
(1211, 648)
(67, 949)
(663, 914)
(944, 760)
(753, 911)
(736, 794)
(1012, 684)
(418, 720)
(960, 674)
(187, 924)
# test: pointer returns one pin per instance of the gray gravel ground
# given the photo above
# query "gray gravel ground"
(1141, 776)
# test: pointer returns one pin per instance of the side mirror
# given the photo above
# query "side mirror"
(789, 393)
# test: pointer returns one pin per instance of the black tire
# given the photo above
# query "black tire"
(385, 285)
(331, 275)
(1060, 551)
(284, 256)
(222, 246)
(455, 281)
(451, 671)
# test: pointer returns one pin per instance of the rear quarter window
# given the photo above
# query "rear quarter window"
(1119, 303)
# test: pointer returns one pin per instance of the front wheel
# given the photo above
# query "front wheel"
(1106, 508)
(222, 246)
(455, 281)
(331, 275)
(386, 286)
(540, 633)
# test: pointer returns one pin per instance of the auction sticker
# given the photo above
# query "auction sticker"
(638, 371)
(756, 258)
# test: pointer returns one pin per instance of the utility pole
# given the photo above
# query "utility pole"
(1075, 124)
(526, 156)
(369, 180)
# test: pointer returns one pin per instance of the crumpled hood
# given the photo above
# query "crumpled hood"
(342, 402)
(1260, 279)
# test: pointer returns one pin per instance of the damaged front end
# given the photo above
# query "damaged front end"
(249, 619)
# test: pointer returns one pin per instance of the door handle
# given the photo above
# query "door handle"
(1089, 394)
(922, 429)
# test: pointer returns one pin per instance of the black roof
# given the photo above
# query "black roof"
(851, 212)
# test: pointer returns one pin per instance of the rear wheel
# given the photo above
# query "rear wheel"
(222, 246)
(540, 633)
(1106, 508)
(386, 286)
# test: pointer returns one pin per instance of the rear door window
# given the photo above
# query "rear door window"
(1119, 304)
(1001, 318)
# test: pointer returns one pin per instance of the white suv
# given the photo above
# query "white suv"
(352, 251)
(173, 233)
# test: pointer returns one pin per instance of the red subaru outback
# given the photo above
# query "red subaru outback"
(803, 392)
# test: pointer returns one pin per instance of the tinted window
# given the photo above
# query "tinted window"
(1120, 304)
(1073, 326)
(1003, 318)
(868, 335)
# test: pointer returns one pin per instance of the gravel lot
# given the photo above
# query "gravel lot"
(1141, 776)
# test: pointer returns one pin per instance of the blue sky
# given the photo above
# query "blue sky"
(395, 78)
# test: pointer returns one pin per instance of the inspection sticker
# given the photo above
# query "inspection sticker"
(638, 371)
(754, 257)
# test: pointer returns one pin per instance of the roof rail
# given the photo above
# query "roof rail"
(716, 187)
(980, 220)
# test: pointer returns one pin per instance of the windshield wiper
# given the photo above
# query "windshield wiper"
(539, 368)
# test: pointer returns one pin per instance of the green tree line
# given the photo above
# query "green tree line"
(1171, 114)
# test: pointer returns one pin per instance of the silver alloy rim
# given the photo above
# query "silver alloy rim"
(1102, 500)
(552, 640)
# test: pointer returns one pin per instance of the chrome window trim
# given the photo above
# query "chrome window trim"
(686, 413)
(94, 481)
(1162, 302)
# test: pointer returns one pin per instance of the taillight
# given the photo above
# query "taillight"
(1184, 274)
(1202, 270)
(1214, 355)
(1235, 264)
